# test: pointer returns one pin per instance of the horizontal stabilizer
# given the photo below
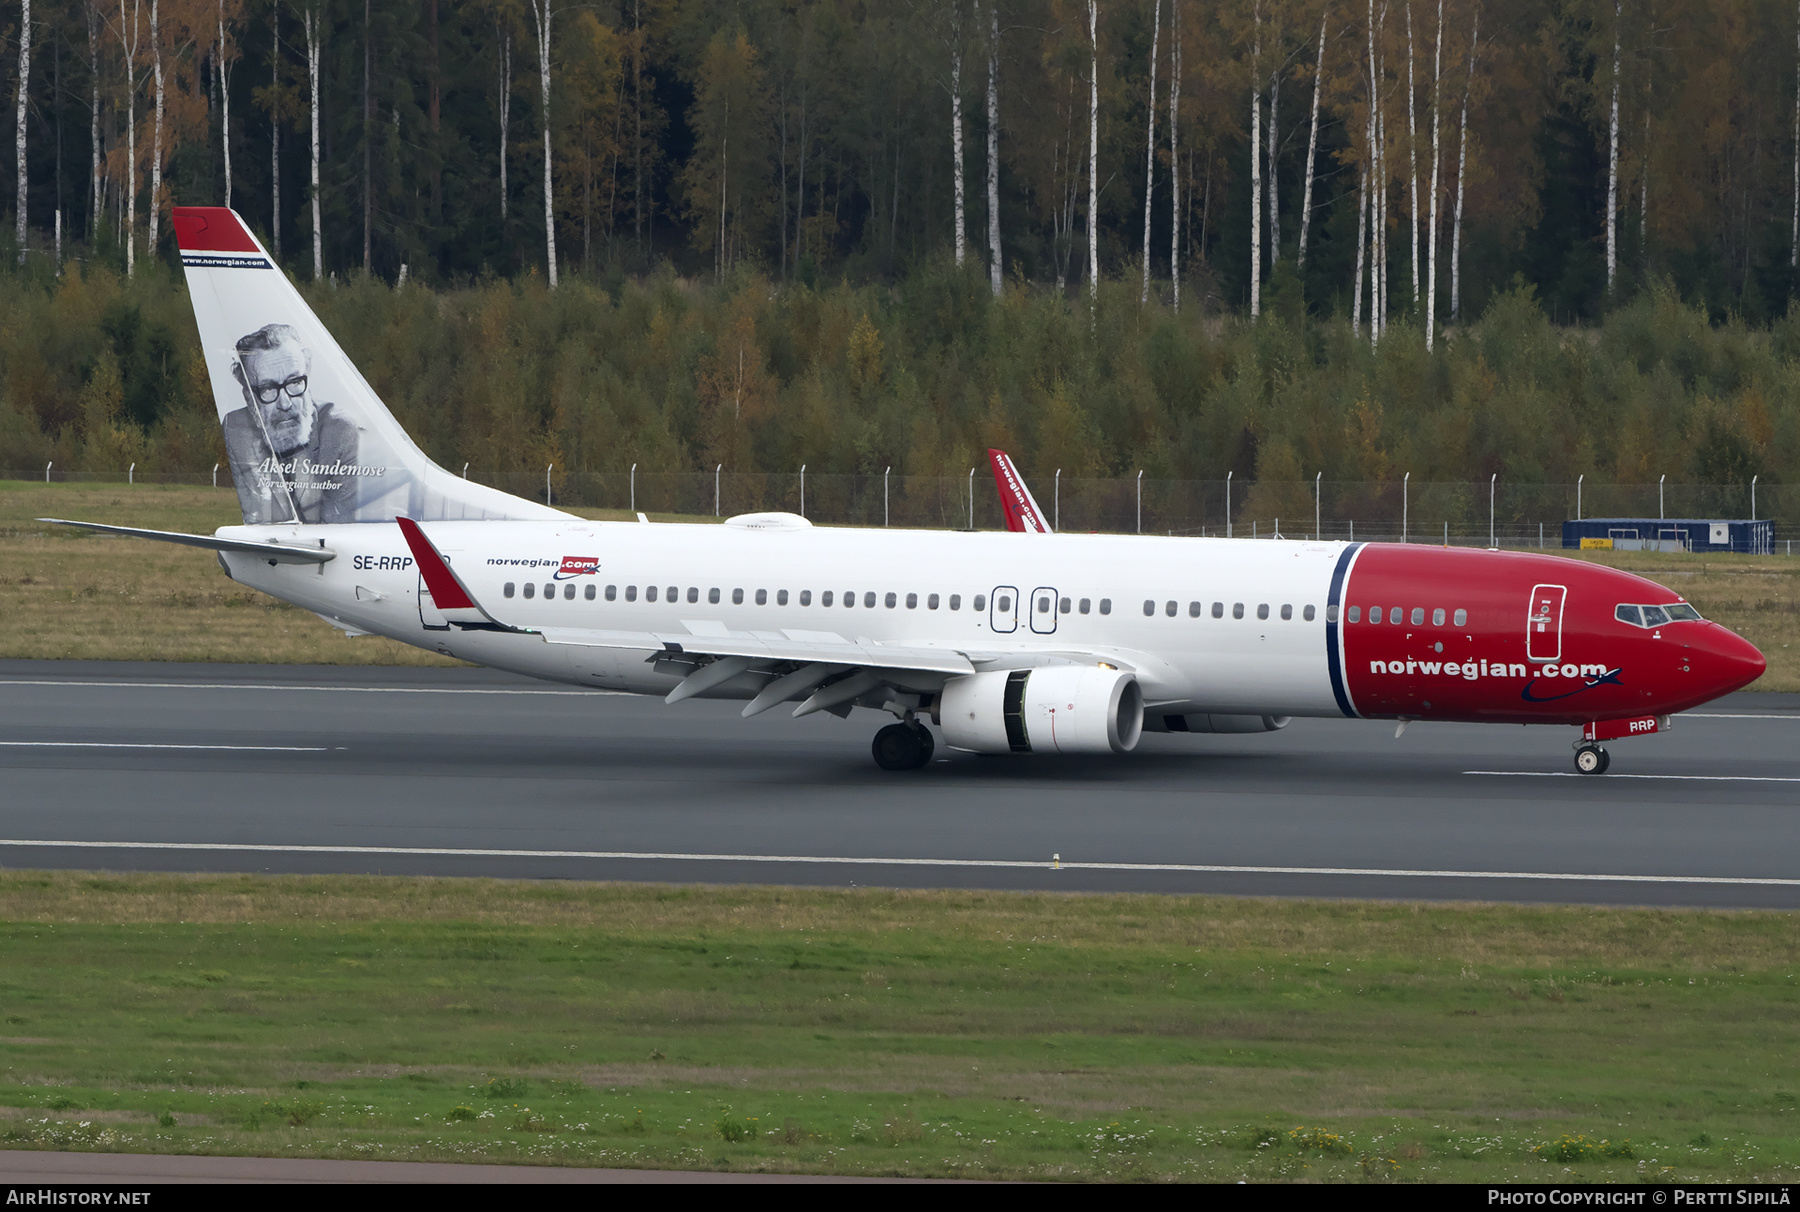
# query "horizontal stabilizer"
(275, 552)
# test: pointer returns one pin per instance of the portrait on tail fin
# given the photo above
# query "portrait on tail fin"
(292, 456)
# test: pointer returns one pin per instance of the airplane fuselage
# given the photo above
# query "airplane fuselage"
(1209, 626)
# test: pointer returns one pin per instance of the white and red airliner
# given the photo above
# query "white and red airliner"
(1018, 641)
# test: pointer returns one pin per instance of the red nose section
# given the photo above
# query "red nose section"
(1725, 661)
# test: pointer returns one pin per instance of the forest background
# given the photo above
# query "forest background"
(1272, 238)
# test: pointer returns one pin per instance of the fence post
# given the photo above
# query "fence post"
(1228, 476)
(1140, 500)
(884, 493)
(131, 474)
(215, 475)
(1405, 503)
(634, 488)
(716, 471)
(547, 468)
(1662, 514)
(1446, 532)
(1056, 502)
(802, 490)
(1492, 480)
(47, 468)
(971, 498)
(1753, 480)
(1578, 480)
(465, 471)
(1318, 487)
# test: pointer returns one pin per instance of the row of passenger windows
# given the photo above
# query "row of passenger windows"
(1397, 616)
(827, 597)
(1196, 609)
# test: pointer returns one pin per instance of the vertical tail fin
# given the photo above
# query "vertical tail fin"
(1016, 502)
(307, 437)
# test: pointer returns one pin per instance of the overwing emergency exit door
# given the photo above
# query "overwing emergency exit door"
(429, 615)
(1043, 610)
(1543, 623)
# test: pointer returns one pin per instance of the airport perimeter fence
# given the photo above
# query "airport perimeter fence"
(1459, 513)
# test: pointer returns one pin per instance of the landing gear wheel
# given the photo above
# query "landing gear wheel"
(1592, 759)
(902, 747)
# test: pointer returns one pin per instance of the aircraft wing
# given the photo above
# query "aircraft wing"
(1016, 502)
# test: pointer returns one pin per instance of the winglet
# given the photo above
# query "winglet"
(448, 593)
(1022, 512)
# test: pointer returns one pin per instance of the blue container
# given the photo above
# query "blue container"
(1672, 534)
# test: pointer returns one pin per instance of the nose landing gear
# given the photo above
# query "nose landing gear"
(905, 746)
(1592, 759)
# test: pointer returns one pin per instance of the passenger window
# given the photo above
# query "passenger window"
(591, 592)
(931, 603)
(912, 601)
(1149, 608)
(650, 593)
(890, 601)
(1169, 608)
(631, 593)
(1105, 605)
(806, 598)
(612, 593)
(869, 601)
(780, 597)
(850, 598)
(674, 593)
(1418, 616)
(530, 590)
(762, 597)
(1308, 613)
(550, 590)
(1262, 611)
(956, 601)
(1003, 605)
(1043, 606)
(1086, 603)
(1437, 617)
(569, 591)
(1356, 615)
(1063, 606)
(1237, 610)
(1218, 610)
(825, 598)
(737, 597)
(1460, 617)
(1655, 616)
(1193, 610)
(1287, 612)
(980, 602)
(507, 591)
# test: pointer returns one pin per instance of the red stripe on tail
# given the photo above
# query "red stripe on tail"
(211, 229)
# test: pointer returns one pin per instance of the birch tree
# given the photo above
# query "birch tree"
(312, 23)
(995, 274)
(1175, 153)
(1612, 162)
(1412, 157)
(93, 33)
(1150, 147)
(541, 14)
(129, 39)
(1431, 235)
(956, 128)
(1256, 162)
(1093, 212)
(222, 57)
(503, 40)
(1462, 172)
(24, 99)
(1794, 252)
(156, 138)
(1312, 145)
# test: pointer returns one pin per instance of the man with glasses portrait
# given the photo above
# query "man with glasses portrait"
(293, 458)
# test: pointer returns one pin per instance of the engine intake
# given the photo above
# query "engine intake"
(1049, 709)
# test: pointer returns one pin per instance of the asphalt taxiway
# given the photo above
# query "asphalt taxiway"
(473, 772)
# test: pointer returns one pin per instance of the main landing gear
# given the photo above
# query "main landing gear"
(1591, 758)
(905, 746)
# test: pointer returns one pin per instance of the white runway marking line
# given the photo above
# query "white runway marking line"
(147, 745)
(271, 686)
(1720, 715)
(1682, 778)
(826, 860)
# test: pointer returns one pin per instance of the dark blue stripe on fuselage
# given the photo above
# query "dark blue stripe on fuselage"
(1332, 613)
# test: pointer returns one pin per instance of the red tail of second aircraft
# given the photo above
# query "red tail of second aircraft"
(1016, 502)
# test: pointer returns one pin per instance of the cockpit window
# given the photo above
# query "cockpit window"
(1656, 616)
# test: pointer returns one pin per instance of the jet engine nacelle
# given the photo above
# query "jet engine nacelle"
(1049, 709)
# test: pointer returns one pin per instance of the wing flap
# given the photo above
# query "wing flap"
(763, 647)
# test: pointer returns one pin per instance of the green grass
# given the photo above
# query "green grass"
(876, 1032)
